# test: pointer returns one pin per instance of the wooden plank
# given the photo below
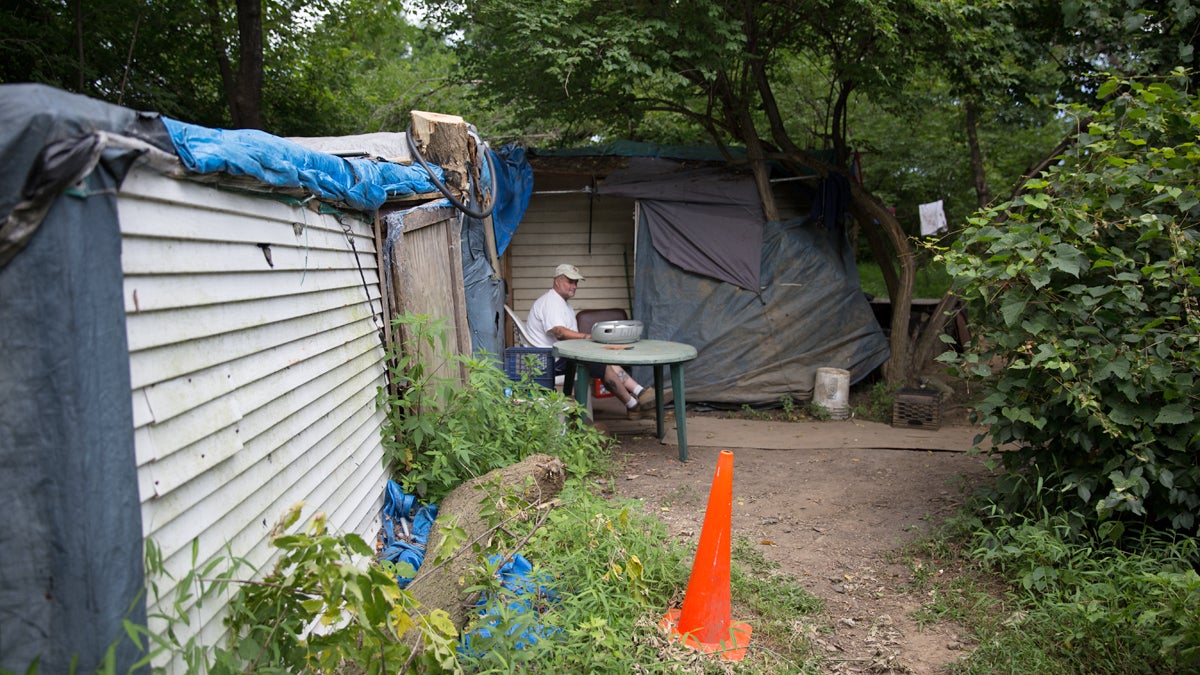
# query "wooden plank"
(426, 268)
(489, 236)
(417, 219)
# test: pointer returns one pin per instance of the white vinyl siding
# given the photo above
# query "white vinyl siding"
(253, 381)
(555, 229)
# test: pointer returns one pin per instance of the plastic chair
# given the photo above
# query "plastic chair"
(522, 332)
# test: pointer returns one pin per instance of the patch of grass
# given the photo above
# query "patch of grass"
(1037, 596)
(615, 573)
(875, 405)
(777, 600)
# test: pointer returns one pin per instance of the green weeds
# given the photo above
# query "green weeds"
(1041, 596)
(439, 432)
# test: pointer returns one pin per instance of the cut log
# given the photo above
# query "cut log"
(443, 588)
(443, 140)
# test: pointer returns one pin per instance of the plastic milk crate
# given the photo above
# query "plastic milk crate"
(917, 409)
(540, 366)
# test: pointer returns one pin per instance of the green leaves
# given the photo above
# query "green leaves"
(440, 431)
(1084, 289)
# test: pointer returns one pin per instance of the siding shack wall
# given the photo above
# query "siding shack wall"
(255, 357)
(555, 229)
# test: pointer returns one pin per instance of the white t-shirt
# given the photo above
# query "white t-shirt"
(549, 311)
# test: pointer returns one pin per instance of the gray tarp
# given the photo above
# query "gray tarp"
(756, 347)
(71, 535)
(706, 221)
(484, 293)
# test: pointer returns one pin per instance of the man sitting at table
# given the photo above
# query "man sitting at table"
(551, 319)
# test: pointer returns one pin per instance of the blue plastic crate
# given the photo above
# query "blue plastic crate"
(537, 362)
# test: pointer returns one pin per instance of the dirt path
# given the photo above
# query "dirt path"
(833, 517)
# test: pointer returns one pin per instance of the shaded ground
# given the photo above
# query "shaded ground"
(833, 514)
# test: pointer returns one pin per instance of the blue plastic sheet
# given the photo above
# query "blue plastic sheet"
(514, 185)
(362, 183)
(401, 513)
(517, 576)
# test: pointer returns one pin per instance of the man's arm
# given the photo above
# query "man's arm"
(564, 333)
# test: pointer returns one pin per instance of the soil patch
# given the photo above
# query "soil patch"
(836, 518)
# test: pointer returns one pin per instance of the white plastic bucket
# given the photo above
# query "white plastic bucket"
(832, 392)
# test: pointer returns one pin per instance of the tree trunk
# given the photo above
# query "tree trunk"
(221, 54)
(882, 254)
(899, 369)
(535, 479)
(762, 174)
(982, 194)
(929, 342)
(248, 90)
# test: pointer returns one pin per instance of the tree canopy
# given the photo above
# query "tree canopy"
(945, 99)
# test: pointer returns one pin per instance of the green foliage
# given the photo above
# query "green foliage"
(323, 605)
(1082, 294)
(330, 68)
(318, 609)
(615, 572)
(439, 433)
(608, 567)
(878, 404)
(1087, 606)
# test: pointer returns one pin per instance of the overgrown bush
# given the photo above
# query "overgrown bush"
(1082, 293)
(439, 432)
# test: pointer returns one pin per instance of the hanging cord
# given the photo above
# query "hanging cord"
(362, 275)
(412, 146)
(304, 216)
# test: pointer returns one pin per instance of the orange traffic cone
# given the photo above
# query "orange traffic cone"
(703, 622)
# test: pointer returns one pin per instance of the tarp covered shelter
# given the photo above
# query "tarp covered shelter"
(255, 337)
(765, 303)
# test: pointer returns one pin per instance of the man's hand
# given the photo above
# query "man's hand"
(564, 333)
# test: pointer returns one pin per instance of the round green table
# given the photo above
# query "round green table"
(656, 353)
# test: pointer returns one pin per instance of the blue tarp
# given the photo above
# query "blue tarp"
(400, 512)
(361, 183)
(514, 185)
(527, 592)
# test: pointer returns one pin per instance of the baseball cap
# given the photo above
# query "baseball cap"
(568, 271)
